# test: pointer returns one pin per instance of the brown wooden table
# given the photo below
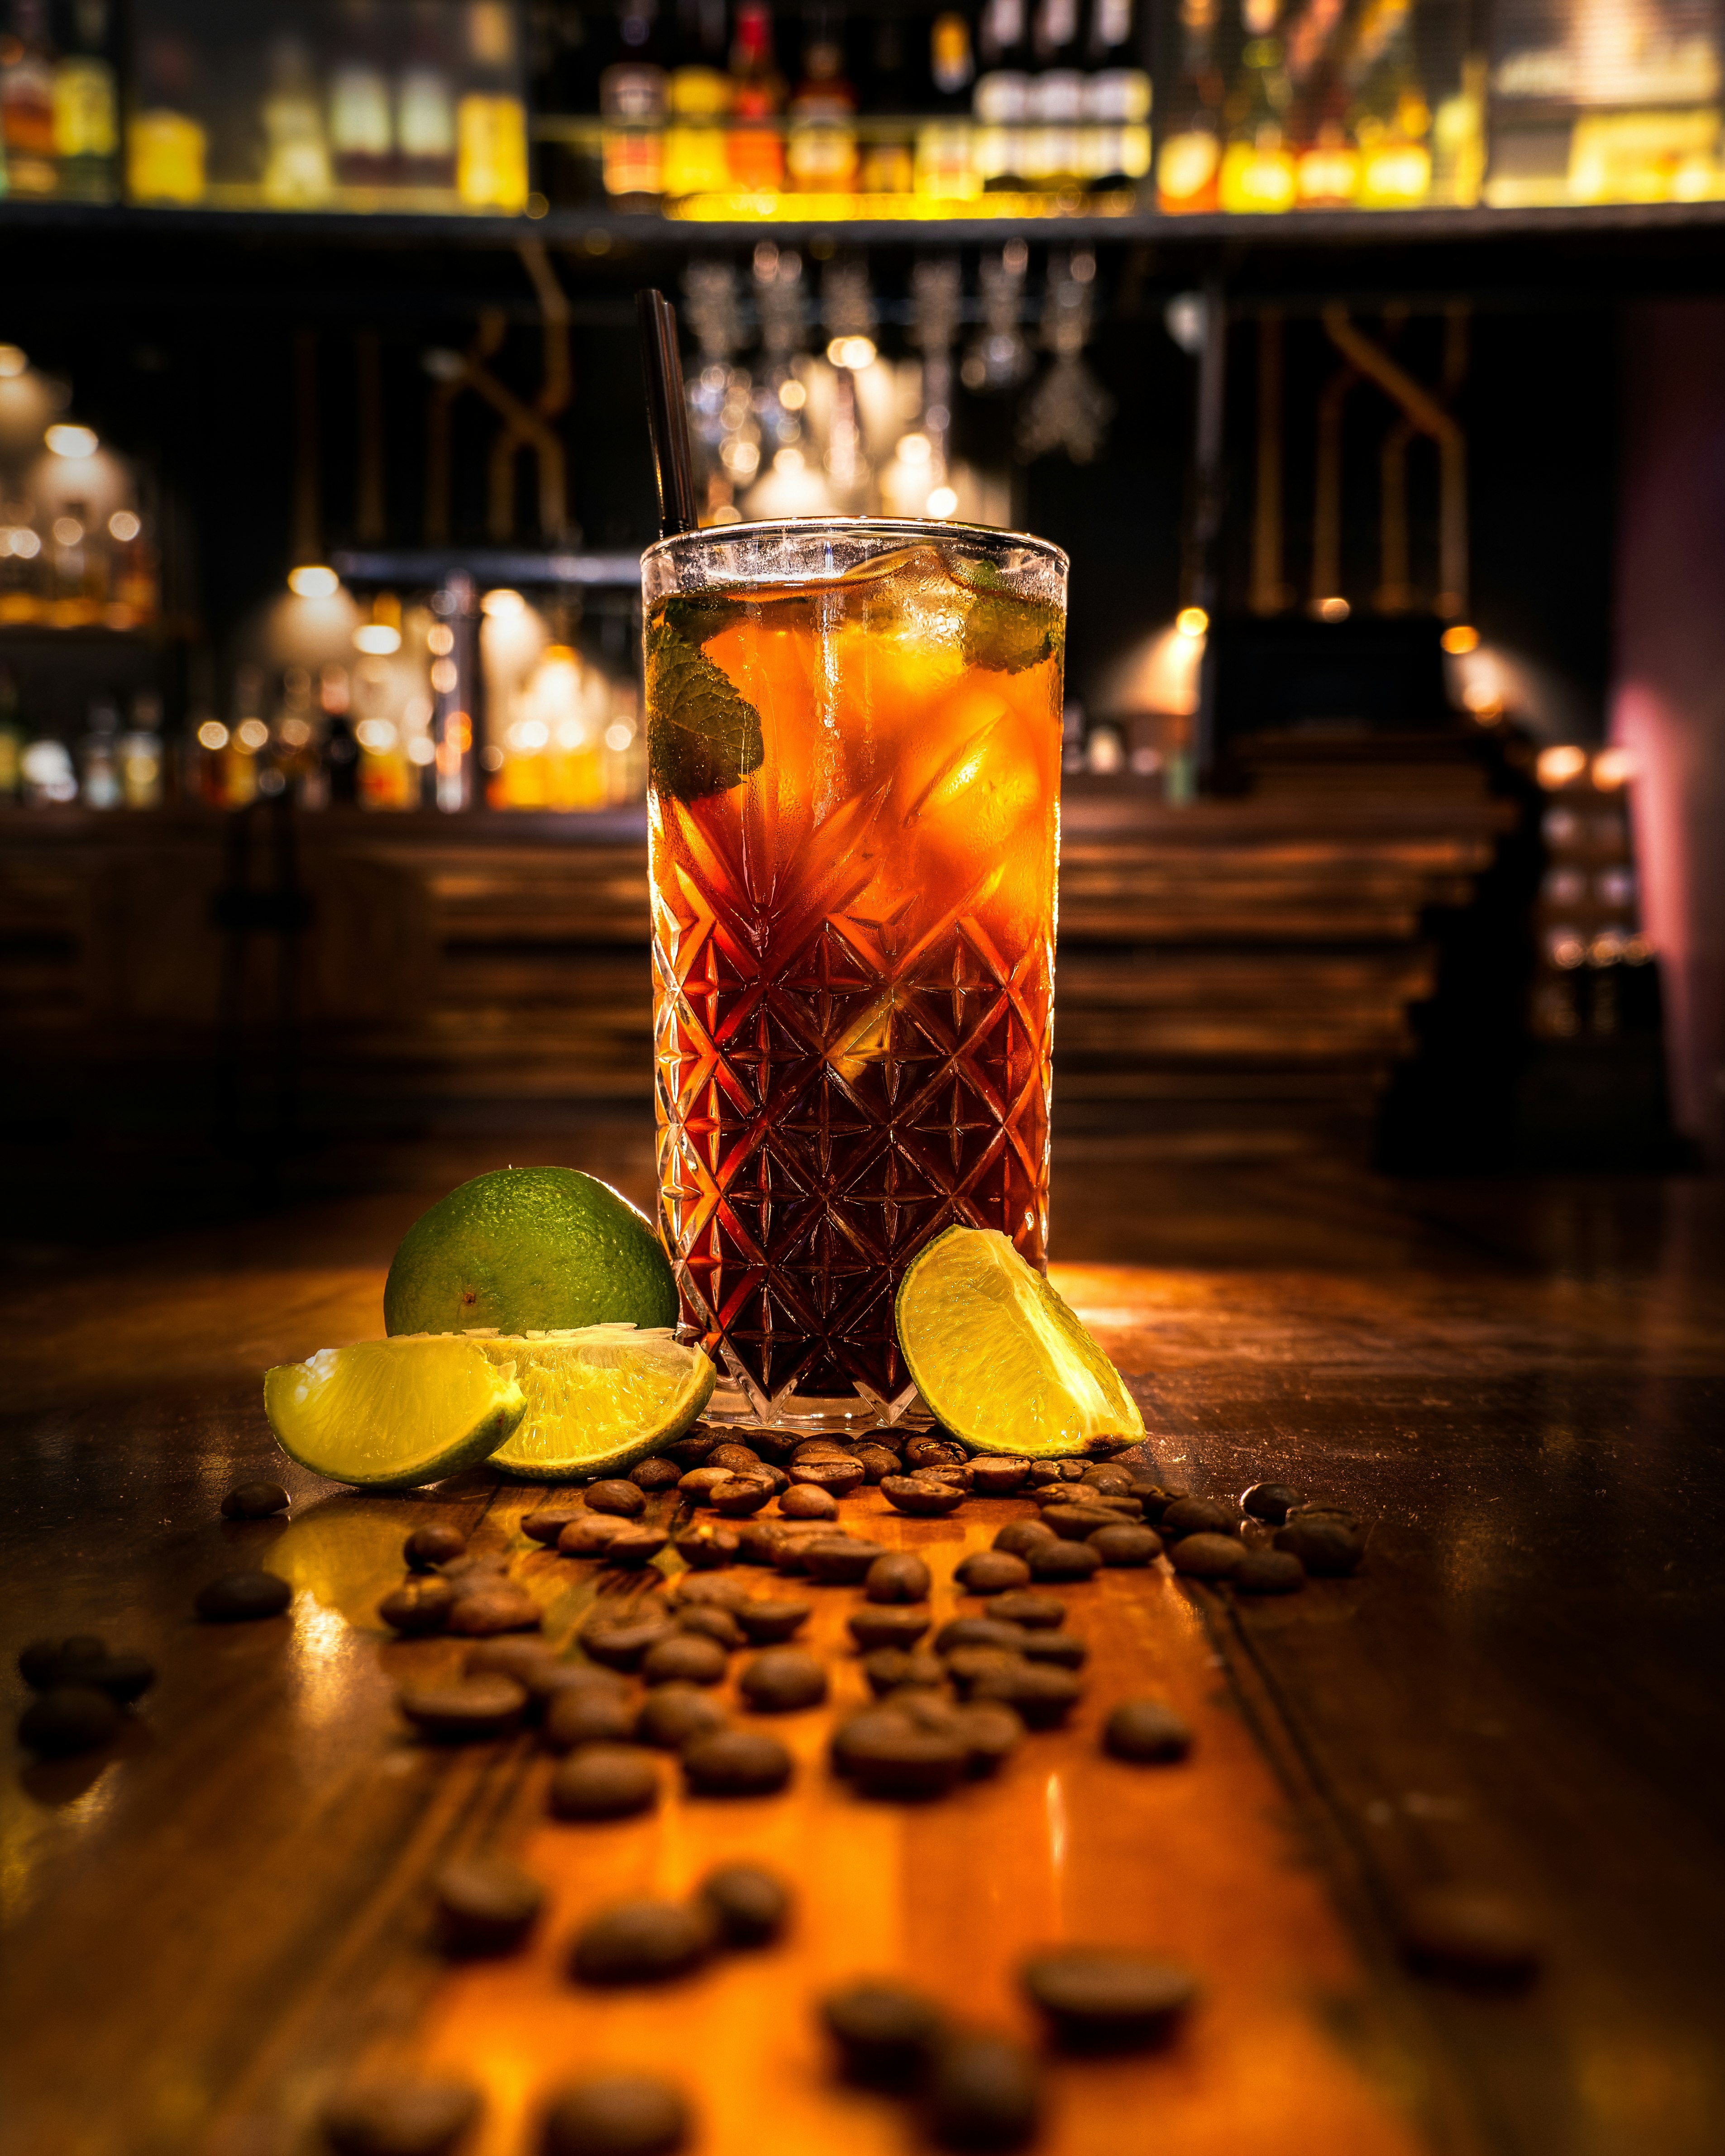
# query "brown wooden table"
(212, 1920)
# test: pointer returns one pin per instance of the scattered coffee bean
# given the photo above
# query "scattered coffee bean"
(1071, 1471)
(637, 1545)
(838, 1560)
(253, 1500)
(1054, 1559)
(784, 1540)
(604, 1781)
(477, 1568)
(67, 1719)
(838, 1478)
(991, 1572)
(1076, 1523)
(737, 1762)
(738, 1498)
(684, 1658)
(992, 1732)
(888, 1668)
(619, 1643)
(1206, 1556)
(523, 1660)
(641, 1943)
(803, 1500)
(1269, 1501)
(965, 1665)
(1268, 1572)
(998, 1475)
(1019, 1537)
(691, 1450)
(485, 1905)
(1113, 1482)
(783, 1680)
(1150, 1493)
(1147, 1732)
(817, 1447)
(983, 2093)
(885, 2032)
(923, 1500)
(238, 1596)
(622, 1499)
(590, 1534)
(125, 1677)
(1041, 1693)
(1329, 1544)
(674, 1715)
(876, 1462)
(712, 1620)
(1197, 1516)
(656, 1473)
(39, 1663)
(1472, 1937)
(887, 1753)
(697, 1485)
(899, 1576)
(708, 1548)
(1108, 1999)
(1065, 1650)
(1126, 1544)
(933, 1452)
(581, 1715)
(735, 1456)
(701, 1586)
(418, 1605)
(549, 1521)
(469, 1708)
(899, 1625)
(501, 1608)
(1042, 1473)
(1032, 1612)
(977, 1632)
(378, 2117)
(771, 1624)
(616, 2115)
(749, 1906)
(547, 1681)
(960, 1478)
(436, 1543)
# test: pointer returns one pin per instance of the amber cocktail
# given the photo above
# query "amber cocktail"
(853, 731)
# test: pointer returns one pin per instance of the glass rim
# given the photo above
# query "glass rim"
(990, 535)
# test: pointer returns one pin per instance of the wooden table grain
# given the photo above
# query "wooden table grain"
(212, 1921)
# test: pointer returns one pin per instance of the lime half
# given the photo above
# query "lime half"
(599, 1398)
(1001, 1359)
(393, 1412)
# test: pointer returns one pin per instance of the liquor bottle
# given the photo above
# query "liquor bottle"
(361, 125)
(139, 751)
(166, 144)
(888, 160)
(296, 150)
(944, 169)
(1054, 105)
(491, 117)
(86, 128)
(1001, 99)
(632, 104)
(13, 739)
(26, 100)
(697, 99)
(1117, 101)
(820, 144)
(754, 149)
(425, 105)
(1189, 160)
(99, 756)
(1257, 171)
(1391, 117)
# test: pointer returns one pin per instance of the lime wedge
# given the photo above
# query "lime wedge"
(393, 1412)
(1001, 1359)
(599, 1398)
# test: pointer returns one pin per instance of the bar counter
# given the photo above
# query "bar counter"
(215, 1919)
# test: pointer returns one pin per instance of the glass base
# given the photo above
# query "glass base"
(738, 1402)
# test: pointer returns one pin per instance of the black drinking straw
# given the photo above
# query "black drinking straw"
(667, 414)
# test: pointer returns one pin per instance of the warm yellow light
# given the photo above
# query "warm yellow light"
(1333, 609)
(619, 735)
(444, 675)
(66, 440)
(853, 353)
(1460, 639)
(915, 450)
(376, 638)
(376, 736)
(1613, 766)
(12, 361)
(213, 734)
(1556, 767)
(1192, 621)
(941, 501)
(440, 641)
(123, 526)
(67, 531)
(792, 395)
(252, 734)
(312, 581)
(503, 605)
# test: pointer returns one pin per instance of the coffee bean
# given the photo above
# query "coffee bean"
(885, 2032)
(604, 1781)
(469, 1708)
(1125, 1545)
(418, 1605)
(1147, 1732)
(708, 1547)
(783, 1543)
(1043, 1694)
(697, 1485)
(546, 1682)
(125, 1677)
(253, 1500)
(734, 1455)
(712, 1620)
(1042, 1473)
(991, 1572)
(1268, 1572)
(67, 1719)
(959, 1478)
(899, 1576)
(501, 1608)
(836, 1477)
(1107, 1997)
(590, 1534)
(619, 1643)
(238, 1596)
(1206, 1556)
(380, 2117)
(965, 1665)
(1019, 1537)
(39, 1664)
(933, 1452)
(523, 1660)
(655, 1474)
(1064, 1649)
(991, 1730)
(998, 1475)
(616, 2115)
(876, 1462)
(803, 1500)
(1269, 1501)
(888, 1668)
(620, 1498)
(897, 1626)
(477, 1568)
(783, 1680)
(436, 1543)
(691, 1450)
(1030, 1611)
(977, 1632)
(641, 1943)
(674, 1715)
(817, 1447)
(1113, 1482)
(485, 1905)
(1057, 1560)
(838, 1560)
(923, 1500)
(749, 1906)
(637, 1545)
(684, 1658)
(770, 1624)
(1076, 1523)
(549, 1521)
(738, 1497)
(588, 1714)
(1197, 1516)
(1155, 1500)
(885, 1754)
(703, 1587)
(1329, 1544)
(1072, 1470)
(983, 2093)
(1470, 1936)
(737, 1762)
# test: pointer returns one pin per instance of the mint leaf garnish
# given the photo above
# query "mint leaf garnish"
(702, 738)
(698, 617)
(1004, 632)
